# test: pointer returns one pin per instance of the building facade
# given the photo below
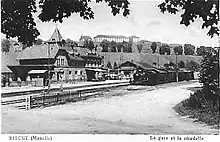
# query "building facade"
(55, 61)
(115, 38)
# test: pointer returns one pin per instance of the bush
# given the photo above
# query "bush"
(198, 100)
(201, 109)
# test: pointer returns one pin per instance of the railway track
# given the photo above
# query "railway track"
(13, 102)
(19, 101)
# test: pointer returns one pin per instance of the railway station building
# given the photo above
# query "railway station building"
(54, 60)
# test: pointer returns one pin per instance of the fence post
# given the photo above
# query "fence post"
(70, 95)
(44, 93)
(57, 97)
(28, 102)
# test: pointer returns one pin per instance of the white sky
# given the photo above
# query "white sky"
(145, 21)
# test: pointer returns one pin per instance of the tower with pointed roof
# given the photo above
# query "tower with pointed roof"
(56, 37)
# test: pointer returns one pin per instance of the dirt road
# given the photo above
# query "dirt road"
(135, 112)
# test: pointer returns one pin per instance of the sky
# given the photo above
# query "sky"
(145, 21)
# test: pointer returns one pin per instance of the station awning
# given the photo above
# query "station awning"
(37, 71)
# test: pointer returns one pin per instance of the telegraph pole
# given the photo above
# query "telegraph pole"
(158, 61)
(48, 68)
(177, 74)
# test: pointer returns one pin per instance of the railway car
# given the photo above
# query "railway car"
(159, 76)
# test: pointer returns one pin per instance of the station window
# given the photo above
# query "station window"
(62, 61)
(58, 62)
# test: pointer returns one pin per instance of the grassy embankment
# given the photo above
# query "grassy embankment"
(196, 107)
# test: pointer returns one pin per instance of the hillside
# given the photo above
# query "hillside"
(146, 57)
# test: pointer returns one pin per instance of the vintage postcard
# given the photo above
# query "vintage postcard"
(110, 68)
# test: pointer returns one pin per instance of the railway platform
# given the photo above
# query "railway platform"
(11, 91)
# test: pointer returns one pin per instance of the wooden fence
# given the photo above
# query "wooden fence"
(48, 99)
(62, 97)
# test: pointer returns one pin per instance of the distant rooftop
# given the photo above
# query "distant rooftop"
(110, 36)
(114, 36)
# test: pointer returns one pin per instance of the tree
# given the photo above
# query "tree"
(127, 46)
(109, 65)
(17, 15)
(38, 41)
(6, 44)
(207, 10)
(105, 45)
(89, 45)
(209, 76)
(169, 65)
(189, 49)
(164, 49)
(192, 65)
(178, 50)
(70, 43)
(113, 46)
(17, 20)
(139, 47)
(201, 51)
(119, 47)
(154, 47)
(181, 64)
(168, 50)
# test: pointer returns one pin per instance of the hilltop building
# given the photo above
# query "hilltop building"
(115, 38)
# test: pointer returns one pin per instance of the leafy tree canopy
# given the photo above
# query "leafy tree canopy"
(139, 47)
(154, 47)
(178, 50)
(201, 51)
(17, 15)
(164, 49)
(6, 44)
(181, 64)
(89, 44)
(191, 10)
(192, 65)
(189, 49)
(70, 43)
(109, 65)
(17, 20)
(209, 75)
(105, 45)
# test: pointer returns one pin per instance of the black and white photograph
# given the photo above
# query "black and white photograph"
(110, 67)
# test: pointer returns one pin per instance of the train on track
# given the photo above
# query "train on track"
(154, 77)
